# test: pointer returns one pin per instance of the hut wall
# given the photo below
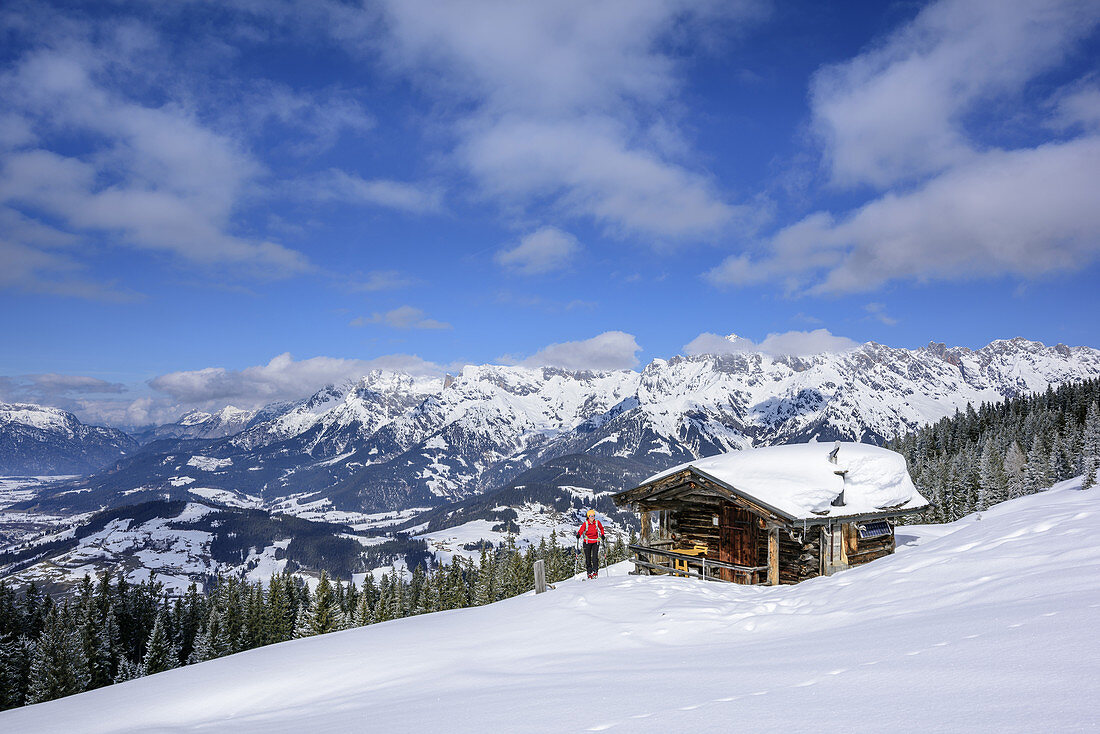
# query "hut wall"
(865, 550)
(799, 561)
(696, 525)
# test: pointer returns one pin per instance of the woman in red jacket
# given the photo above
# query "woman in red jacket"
(591, 533)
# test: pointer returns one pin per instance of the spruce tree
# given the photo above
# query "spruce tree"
(398, 609)
(59, 667)
(1090, 446)
(161, 653)
(203, 649)
(128, 670)
(324, 614)
(994, 483)
(13, 665)
(483, 587)
(280, 610)
(416, 590)
(1015, 470)
(1038, 475)
(364, 615)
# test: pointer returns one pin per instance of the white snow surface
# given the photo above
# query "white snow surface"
(38, 416)
(987, 624)
(209, 463)
(799, 479)
(226, 497)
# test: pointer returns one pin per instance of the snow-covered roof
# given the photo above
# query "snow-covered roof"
(800, 482)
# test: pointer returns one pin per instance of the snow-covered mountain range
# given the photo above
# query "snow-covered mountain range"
(228, 421)
(391, 441)
(39, 440)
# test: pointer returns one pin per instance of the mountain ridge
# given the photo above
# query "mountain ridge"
(39, 440)
(389, 440)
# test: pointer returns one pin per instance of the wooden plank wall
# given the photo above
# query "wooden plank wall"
(696, 526)
(868, 549)
(799, 561)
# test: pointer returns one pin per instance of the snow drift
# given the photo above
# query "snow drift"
(986, 624)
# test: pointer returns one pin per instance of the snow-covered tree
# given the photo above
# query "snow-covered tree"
(14, 659)
(1038, 474)
(1090, 446)
(59, 666)
(324, 614)
(128, 670)
(161, 653)
(1015, 465)
(483, 586)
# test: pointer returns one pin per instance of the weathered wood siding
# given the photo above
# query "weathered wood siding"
(799, 561)
(865, 550)
(696, 526)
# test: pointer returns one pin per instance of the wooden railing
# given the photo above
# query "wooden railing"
(700, 561)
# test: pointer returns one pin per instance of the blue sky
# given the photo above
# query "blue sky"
(205, 203)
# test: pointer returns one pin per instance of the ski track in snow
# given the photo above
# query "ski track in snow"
(988, 624)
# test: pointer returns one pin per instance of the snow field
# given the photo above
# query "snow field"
(987, 625)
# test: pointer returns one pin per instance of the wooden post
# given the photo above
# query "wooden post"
(540, 576)
(645, 527)
(773, 557)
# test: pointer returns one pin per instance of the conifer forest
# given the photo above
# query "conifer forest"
(999, 451)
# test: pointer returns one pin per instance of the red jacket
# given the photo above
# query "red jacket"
(592, 532)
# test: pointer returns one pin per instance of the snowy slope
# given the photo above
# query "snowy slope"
(983, 625)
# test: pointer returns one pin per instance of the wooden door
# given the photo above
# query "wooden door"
(738, 541)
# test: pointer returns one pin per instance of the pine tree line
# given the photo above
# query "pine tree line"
(113, 631)
(973, 460)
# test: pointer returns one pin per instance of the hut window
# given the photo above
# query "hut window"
(873, 529)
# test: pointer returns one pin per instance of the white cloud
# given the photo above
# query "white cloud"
(790, 343)
(336, 185)
(569, 100)
(589, 168)
(155, 177)
(1023, 213)
(212, 388)
(899, 117)
(402, 317)
(52, 386)
(899, 111)
(877, 311)
(283, 378)
(318, 120)
(544, 250)
(1078, 106)
(611, 350)
(384, 280)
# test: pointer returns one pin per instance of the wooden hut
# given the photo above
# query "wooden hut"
(776, 515)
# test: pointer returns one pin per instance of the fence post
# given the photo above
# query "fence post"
(540, 576)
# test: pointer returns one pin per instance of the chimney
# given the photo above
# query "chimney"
(838, 501)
